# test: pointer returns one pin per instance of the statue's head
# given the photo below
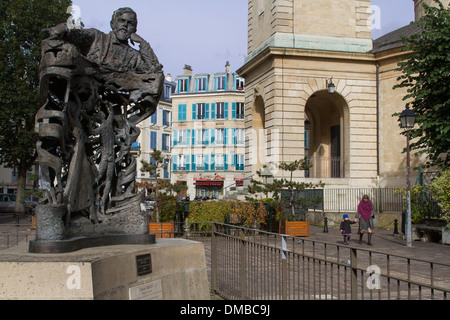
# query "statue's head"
(124, 23)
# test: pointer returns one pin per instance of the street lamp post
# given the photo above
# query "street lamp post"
(408, 119)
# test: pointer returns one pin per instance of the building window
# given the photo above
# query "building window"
(183, 85)
(240, 159)
(154, 117)
(167, 92)
(202, 84)
(240, 83)
(165, 142)
(240, 110)
(240, 136)
(182, 162)
(221, 83)
(220, 135)
(166, 169)
(220, 165)
(166, 118)
(201, 111)
(200, 162)
(221, 110)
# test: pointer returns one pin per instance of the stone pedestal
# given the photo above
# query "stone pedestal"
(171, 269)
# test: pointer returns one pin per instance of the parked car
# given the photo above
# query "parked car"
(7, 203)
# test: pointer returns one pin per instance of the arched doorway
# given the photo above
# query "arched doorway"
(326, 135)
(259, 126)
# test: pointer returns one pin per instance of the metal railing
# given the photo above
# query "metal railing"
(12, 235)
(250, 264)
(347, 199)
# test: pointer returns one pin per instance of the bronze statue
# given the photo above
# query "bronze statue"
(95, 89)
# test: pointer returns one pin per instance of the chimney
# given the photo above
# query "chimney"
(187, 69)
(169, 77)
(227, 67)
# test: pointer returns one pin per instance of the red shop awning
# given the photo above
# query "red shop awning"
(209, 183)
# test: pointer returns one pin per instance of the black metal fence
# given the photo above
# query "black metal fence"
(255, 265)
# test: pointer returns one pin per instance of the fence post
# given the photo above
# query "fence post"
(213, 257)
(243, 266)
(284, 268)
(354, 274)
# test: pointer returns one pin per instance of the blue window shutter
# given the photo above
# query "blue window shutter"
(153, 139)
(233, 110)
(178, 87)
(181, 112)
(225, 136)
(194, 111)
(226, 82)
(196, 84)
(193, 166)
(233, 136)
(175, 162)
(175, 138)
(188, 137)
(213, 162)
(225, 162)
(188, 163)
(207, 111)
(213, 111)
(206, 157)
(193, 137)
(226, 110)
(213, 137)
(206, 138)
(215, 83)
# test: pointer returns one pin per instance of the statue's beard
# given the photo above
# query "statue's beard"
(123, 35)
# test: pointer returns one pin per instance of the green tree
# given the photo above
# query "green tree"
(21, 25)
(425, 76)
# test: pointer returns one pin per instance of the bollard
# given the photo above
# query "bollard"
(325, 225)
(395, 227)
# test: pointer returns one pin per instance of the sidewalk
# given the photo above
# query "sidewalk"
(385, 242)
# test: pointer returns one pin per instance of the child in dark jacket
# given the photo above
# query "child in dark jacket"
(346, 229)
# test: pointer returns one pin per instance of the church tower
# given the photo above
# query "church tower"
(306, 24)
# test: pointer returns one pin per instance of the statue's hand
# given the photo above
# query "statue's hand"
(136, 38)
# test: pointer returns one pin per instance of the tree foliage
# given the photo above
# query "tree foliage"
(426, 77)
(21, 25)
(441, 192)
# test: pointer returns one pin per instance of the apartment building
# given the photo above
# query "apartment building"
(156, 133)
(208, 132)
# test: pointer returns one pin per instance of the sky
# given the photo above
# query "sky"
(205, 34)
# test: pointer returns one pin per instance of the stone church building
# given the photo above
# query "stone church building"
(297, 51)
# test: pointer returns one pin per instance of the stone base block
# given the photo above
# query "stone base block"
(171, 269)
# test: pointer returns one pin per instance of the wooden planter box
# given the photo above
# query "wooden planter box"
(162, 230)
(296, 228)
